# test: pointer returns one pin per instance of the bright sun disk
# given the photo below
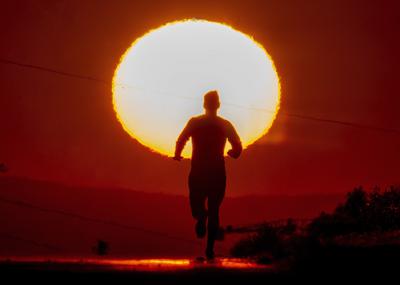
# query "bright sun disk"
(162, 77)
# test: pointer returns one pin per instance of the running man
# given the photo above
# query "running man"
(207, 178)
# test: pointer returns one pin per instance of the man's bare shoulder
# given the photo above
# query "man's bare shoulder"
(226, 123)
(196, 119)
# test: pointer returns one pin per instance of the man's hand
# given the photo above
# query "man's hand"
(233, 154)
(177, 158)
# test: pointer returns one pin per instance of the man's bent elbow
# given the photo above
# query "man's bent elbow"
(235, 152)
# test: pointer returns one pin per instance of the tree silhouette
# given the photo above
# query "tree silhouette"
(362, 212)
(3, 167)
(362, 216)
(101, 248)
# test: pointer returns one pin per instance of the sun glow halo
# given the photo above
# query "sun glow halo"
(162, 77)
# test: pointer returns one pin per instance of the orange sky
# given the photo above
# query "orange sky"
(337, 60)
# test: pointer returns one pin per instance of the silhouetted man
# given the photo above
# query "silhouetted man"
(207, 178)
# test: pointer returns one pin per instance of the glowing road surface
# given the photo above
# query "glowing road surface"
(153, 264)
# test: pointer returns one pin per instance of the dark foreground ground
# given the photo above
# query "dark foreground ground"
(139, 271)
(335, 264)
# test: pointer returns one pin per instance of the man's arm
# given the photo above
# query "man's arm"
(182, 139)
(235, 142)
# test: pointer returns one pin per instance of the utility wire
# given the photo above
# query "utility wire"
(94, 220)
(35, 243)
(299, 116)
(51, 70)
(344, 123)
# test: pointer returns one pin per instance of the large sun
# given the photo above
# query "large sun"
(162, 77)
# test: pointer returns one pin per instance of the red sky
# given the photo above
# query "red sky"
(336, 60)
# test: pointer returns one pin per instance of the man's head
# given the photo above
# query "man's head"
(211, 101)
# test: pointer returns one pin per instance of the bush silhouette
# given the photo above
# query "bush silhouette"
(362, 213)
(101, 248)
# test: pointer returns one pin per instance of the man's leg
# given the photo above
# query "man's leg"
(214, 202)
(197, 198)
(197, 204)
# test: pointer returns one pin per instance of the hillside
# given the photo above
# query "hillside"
(149, 224)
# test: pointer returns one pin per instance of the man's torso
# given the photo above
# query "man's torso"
(209, 134)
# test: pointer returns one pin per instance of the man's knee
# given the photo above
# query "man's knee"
(214, 204)
(197, 205)
(213, 218)
(198, 213)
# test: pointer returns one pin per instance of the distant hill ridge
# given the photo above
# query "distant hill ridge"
(157, 212)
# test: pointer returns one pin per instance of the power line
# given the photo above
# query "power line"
(51, 70)
(324, 120)
(32, 242)
(299, 116)
(349, 124)
(94, 220)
